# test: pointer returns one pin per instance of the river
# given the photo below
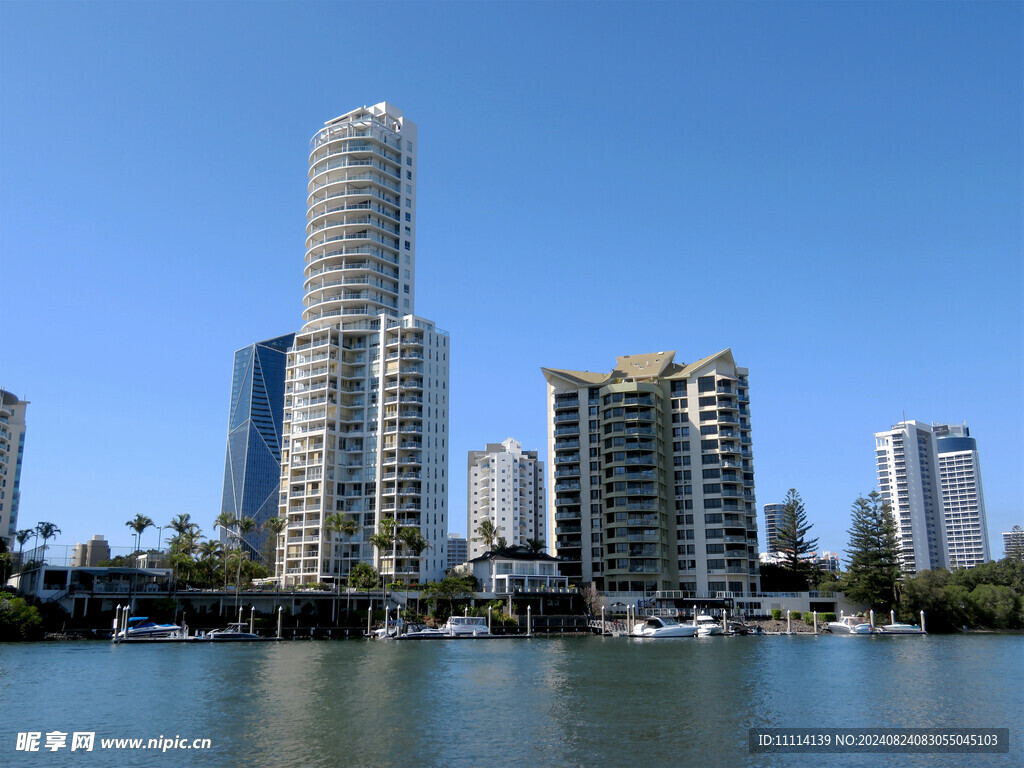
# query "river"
(575, 701)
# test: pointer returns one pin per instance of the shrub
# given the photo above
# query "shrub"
(776, 613)
(796, 615)
(827, 617)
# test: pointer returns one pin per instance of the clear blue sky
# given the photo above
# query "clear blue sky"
(832, 190)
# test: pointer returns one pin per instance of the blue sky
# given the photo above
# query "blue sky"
(832, 190)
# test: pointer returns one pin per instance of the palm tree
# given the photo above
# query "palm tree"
(243, 527)
(225, 521)
(386, 538)
(23, 536)
(139, 524)
(276, 526)
(536, 545)
(488, 534)
(415, 542)
(46, 532)
(208, 552)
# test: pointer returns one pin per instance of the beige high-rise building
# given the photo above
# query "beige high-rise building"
(651, 478)
(506, 486)
(366, 385)
(12, 449)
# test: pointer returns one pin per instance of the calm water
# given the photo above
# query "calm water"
(544, 702)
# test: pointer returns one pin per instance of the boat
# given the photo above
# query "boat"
(423, 632)
(466, 626)
(707, 626)
(234, 631)
(850, 625)
(141, 628)
(662, 626)
(392, 628)
(898, 628)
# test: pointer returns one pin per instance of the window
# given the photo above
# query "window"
(408, 175)
(706, 384)
(709, 429)
(408, 217)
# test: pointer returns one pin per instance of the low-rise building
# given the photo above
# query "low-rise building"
(517, 569)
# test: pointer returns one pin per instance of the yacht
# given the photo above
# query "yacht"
(849, 625)
(707, 626)
(466, 626)
(140, 627)
(662, 626)
(234, 631)
(422, 632)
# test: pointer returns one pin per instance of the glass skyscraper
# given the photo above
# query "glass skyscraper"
(252, 467)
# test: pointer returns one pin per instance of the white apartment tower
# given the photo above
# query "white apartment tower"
(506, 486)
(366, 387)
(963, 502)
(651, 479)
(908, 479)
(772, 515)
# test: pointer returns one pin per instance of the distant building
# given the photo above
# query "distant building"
(505, 486)
(252, 466)
(772, 515)
(651, 480)
(458, 550)
(963, 502)
(1013, 541)
(90, 554)
(12, 451)
(908, 479)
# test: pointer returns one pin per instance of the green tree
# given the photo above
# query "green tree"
(226, 522)
(243, 527)
(363, 576)
(791, 534)
(276, 526)
(46, 532)
(488, 534)
(874, 572)
(18, 619)
(22, 538)
(536, 546)
(451, 588)
(140, 524)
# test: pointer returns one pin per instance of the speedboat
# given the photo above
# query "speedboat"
(466, 626)
(140, 627)
(898, 628)
(662, 626)
(850, 625)
(393, 628)
(234, 631)
(707, 626)
(422, 632)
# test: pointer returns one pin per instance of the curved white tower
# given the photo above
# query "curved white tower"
(361, 219)
(366, 387)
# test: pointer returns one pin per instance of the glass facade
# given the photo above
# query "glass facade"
(252, 466)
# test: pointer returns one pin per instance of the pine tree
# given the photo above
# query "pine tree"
(791, 532)
(874, 563)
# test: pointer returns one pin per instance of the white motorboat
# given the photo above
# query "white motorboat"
(466, 626)
(707, 626)
(422, 632)
(850, 625)
(234, 631)
(141, 628)
(662, 626)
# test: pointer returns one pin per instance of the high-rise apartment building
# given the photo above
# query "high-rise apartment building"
(252, 464)
(963, 502)
(12, 451)
(651, 479)
(506, 486)
(458, 550)
(366, 388)
(772, 514)
(908, 479)
(1013, 542)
